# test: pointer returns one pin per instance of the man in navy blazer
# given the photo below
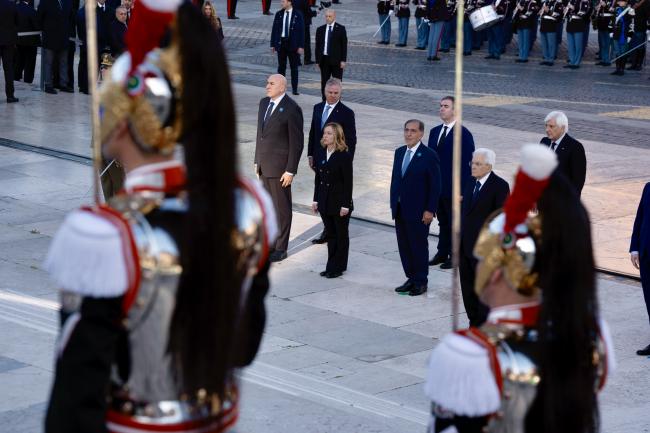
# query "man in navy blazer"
(640, 250)
(330, 110)
(481, 198)
(414, 195)
(288, 40)
(441, 139)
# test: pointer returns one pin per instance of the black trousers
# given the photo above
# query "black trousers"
(307, 43)
(7, 58)
(294, 59)
(25, 63)
(328, 71)
(338, 242)
(476, 311)
(644, 263)
(70, 67)
(444, 222)
(232, 7)
(281, 198)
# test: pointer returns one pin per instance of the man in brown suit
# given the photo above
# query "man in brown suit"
(278, 147)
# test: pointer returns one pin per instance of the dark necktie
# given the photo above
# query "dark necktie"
(477, 188)
(268, 113)
(553, 146)
(286, 24)
(442, 136)
(60, 5)
(329, 39)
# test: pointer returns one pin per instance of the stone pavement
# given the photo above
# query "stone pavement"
(345, 355)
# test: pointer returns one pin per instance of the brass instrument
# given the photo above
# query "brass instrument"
(570, 7)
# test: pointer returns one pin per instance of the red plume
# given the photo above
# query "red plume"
(149, 22)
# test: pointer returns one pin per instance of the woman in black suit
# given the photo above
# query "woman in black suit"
(333, 198)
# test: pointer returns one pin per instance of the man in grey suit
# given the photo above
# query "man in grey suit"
(278, 147)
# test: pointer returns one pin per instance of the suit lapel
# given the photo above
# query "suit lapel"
(276, 112)
(481, 192)
(414, 159)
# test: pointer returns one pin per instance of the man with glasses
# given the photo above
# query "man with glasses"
(481, 197)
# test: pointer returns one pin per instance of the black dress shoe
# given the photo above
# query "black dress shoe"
(618, 72)
(644, 352)
(437, 259)
(277, 256)
(320, 240)
(435, 58)
(489, 57)
(467, 54)
(444, 50)
(333, 274)
(605, 64)
(420, 48)
(295, 92)
(400, 45)
(406, 287)
(12, 100)
(50, 90)
(446, 265)
(418, 290)
(67, 89)
(521, 61)
(567, 66)
(323, 273)
(234, 17)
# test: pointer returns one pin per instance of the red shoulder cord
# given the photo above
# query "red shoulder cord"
(129, 251)
(481, 339)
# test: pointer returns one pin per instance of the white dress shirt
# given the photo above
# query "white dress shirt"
(449, 127)
(328, 27)
(287, 16)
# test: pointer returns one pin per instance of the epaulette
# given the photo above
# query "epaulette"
(94, 254)
(461, 376)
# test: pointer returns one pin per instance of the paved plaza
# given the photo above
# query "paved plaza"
(347, 354)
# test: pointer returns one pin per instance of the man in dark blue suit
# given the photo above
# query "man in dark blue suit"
(414, 195)
(640, 250)
(288, 40)
(441, 139)
(481, 198)
(330, 110)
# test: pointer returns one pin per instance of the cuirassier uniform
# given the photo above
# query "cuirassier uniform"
(506, 375)
(485, 379)
(119, 267)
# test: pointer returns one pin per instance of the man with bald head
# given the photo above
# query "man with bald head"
(278, 147)
(331, 49)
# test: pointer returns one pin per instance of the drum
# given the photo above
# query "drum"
(484, 17)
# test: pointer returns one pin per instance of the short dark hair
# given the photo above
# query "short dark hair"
(419, 122)
(449, 98)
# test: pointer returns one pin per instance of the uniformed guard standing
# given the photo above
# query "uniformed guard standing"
(163, 288)
(468, 31)
(421, 24)
(577, 13)
(385, 9)
(496, 32)
(439, 16)
(537, 363)
(551, 17)
(604, 12)
(622, 28)
(449, 29)
(403, 14)
(523, 20)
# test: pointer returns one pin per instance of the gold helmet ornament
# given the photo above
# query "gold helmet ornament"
(144, 84)
(509, 239)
